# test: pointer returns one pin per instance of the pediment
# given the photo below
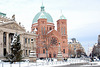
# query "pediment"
(13, 26)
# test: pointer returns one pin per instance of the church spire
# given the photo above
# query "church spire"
(62, 16)
(42, 7)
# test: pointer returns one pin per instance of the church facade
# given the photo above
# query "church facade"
(8, 27)
(48, 39)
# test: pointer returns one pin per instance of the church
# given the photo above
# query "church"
(48, 39)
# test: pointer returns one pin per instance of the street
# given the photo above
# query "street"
(76, 66)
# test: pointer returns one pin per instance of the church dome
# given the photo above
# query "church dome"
(43, 15)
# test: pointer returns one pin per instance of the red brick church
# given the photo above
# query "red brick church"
(49, 39)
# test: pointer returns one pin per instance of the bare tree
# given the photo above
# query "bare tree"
(79, 52)
(47, 43)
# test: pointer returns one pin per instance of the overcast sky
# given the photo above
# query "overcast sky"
(83, 16)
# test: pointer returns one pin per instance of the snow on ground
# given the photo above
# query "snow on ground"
(45, 63)
(31, 64)
(96, 63)
(7, 64)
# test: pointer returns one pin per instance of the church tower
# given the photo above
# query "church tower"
(62, 29)
(43, 23)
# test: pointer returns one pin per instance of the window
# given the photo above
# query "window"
(63, 41)
(4, 52)
(54, 55)
(43, 22)
(31, 39)
(36, 28)
(74, 48)
(50, 28)
(44, 51)
(4, 38)
(63, 50)
(28, 41)
(47, 28)
(26, 52)
(64, 30)
(25, 40)
(29, 52)
(42, 30)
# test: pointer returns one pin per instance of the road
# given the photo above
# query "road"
(76, 66)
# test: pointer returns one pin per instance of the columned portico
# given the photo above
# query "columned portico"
(7, 31)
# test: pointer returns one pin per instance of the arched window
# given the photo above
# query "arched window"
(47, 28)
(50, 28)
(63, 50)
(64, 30)
(42, 30)
(54, 55)
(36, 28)
(44, 51)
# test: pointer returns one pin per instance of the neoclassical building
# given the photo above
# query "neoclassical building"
(48, 38)
(7, 29)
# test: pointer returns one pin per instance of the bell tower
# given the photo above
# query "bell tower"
(62, 29)
(62, 25)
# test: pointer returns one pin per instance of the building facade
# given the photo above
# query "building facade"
(48, 38)
(8, 27)
(96, 49)
(74, 46)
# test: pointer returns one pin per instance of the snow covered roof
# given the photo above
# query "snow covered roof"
(50, 31)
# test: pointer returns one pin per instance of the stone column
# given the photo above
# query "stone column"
(1, 43)
(7, 41)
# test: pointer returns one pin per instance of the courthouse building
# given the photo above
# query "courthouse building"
(8, 27)
(48, 38)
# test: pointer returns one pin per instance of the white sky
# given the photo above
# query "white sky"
(83, 16)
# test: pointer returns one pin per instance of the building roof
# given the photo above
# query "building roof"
(62, 17)
(42, 14)
(2, 14)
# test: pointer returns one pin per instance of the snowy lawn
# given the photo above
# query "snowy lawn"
(31, 64)
(17, 64)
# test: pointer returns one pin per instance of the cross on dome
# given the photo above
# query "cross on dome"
(42, 7)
